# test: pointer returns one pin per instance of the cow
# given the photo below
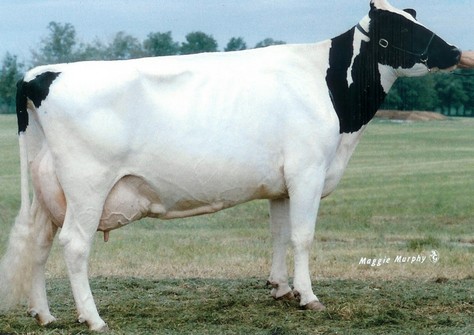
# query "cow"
(109, 142)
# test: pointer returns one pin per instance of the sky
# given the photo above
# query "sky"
(23, 22)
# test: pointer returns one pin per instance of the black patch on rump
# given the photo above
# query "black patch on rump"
(357, 103)
(36, 90)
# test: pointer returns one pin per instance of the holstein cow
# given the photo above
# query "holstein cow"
(108, 143)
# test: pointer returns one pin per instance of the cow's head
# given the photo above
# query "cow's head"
(402, 43)
(365, 61)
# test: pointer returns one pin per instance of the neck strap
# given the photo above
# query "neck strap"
(362, 30)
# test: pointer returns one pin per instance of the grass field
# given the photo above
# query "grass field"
(407, 191)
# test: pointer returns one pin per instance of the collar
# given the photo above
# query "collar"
(362, 30)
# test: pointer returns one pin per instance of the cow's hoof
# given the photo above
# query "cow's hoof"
(42, 319)
(281, 291)
(98, 328)
(314, 306)
(45, 320)
(101, 329)
(286, 297)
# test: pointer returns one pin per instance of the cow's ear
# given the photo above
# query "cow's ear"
(412, 12)
(373, 8)
(372, 5)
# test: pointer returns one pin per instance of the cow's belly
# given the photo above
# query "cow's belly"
(133, 197)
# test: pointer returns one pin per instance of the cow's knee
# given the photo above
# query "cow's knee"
(76, 253)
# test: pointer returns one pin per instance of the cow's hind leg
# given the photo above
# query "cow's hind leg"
(45, 232)
(82, 219)
(280, 228)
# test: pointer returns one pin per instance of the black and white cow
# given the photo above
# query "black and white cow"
(108, 143)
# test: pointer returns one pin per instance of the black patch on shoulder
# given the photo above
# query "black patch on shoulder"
(357, 103)
(36, 90)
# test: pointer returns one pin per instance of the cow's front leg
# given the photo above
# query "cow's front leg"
(304, 204)
(76, 238)
(280, 228)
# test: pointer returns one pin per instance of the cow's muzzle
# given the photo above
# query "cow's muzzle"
(447, 60)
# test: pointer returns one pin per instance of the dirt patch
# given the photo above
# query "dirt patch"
(409, 115)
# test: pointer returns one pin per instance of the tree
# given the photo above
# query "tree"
(419, 93)
(10, 73)
(96, 50)
(160, 44)
(197, 42)
(58, 47)
(412, 94)
(236, 44)
(393, 100)
(451, 93)
(267, 42)
(124, 46)
(467, 81)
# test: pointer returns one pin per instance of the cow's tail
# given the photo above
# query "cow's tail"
(17, 263)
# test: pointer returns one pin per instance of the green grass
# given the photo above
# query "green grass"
(407, 191)
(243, 306)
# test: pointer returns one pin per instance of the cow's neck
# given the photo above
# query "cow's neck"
(357, 83)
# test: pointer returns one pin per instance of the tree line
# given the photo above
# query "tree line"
(445, 93)
(451, 94)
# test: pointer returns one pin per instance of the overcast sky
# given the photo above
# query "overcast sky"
(23, 22)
